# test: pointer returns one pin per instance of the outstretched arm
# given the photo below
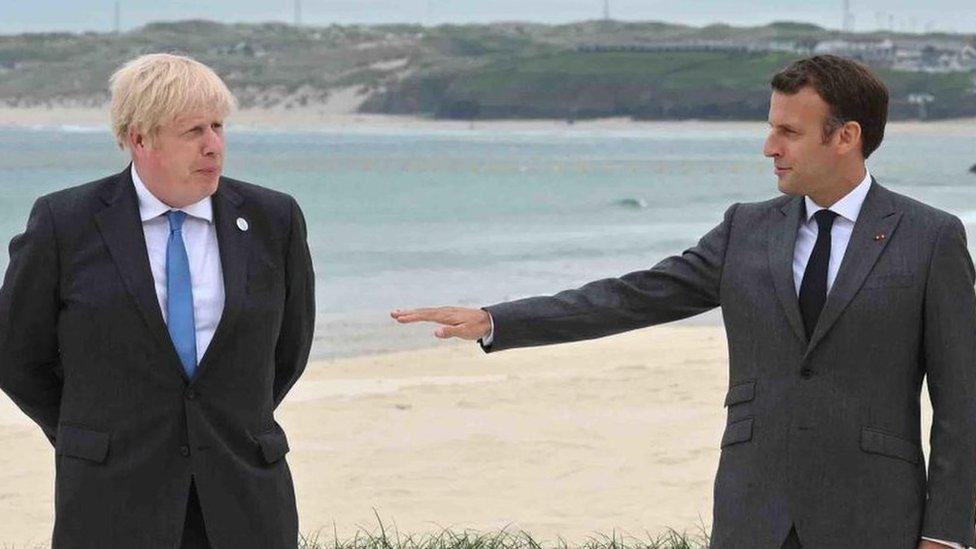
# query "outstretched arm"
(677, 287)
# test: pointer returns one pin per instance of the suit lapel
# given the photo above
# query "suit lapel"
(782, 239)
(234, 253)
(877, 217)
(121, 229)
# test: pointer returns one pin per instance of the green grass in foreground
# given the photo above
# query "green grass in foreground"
(382, 538)
(503, 539)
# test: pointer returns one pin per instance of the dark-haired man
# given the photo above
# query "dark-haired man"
(838, 299)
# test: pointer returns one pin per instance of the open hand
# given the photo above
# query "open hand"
(459, 322)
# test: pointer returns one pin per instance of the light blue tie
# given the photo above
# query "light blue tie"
(179, 295)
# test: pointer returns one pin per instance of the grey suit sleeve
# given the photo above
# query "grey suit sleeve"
(950, 362)
(30, 371)
(298, 321)
(677, 287)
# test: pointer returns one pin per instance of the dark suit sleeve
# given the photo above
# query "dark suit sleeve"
(298, 322)
(29, 307)
(677, 287)
(950, 362)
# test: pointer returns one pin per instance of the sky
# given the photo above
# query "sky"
(18, 16)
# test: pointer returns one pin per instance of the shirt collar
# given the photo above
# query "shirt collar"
(848, 207)
(151, 207)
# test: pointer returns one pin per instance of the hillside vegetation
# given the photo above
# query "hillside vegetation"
(505, 70)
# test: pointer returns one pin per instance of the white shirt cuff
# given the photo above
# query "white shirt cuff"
(946, 543)
(486, 341)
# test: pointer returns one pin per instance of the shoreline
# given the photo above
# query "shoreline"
(326, 119)
(385, 337)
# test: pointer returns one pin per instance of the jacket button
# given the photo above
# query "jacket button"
(806, 373)
(184, 451)
(191, 394)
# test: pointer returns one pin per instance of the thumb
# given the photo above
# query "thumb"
(445, 332)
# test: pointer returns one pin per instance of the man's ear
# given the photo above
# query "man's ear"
(137, 141)
(849, 136)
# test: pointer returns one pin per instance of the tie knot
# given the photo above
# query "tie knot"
(825, 219)
(176, 219)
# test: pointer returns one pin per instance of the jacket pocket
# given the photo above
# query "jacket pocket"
(741, 392)
(273, 444)
(876, 441)
(82, 443)
(738, 431)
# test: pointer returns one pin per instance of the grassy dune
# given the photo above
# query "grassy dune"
(383, 537)
(502, 70)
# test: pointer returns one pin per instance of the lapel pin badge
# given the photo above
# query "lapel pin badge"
(879, 237)
(242, 223)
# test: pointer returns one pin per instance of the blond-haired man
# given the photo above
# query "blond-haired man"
(150, 324)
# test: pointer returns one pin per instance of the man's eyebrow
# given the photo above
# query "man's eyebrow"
(202, 123)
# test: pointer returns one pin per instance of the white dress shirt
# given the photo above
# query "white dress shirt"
(847, 210)
(200, 240)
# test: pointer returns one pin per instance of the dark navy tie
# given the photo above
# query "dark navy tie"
(813, 289)
(179, 295)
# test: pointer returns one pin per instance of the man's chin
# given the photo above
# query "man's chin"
(207, 181)
(786, 187)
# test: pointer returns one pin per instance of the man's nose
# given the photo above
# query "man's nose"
(770, 148)
(213, 143)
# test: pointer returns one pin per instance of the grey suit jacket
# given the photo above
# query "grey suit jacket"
(825, 433)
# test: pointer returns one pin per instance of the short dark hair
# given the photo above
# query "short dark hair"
(849, 88)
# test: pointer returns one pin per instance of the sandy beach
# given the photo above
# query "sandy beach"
(340, 115)
(614, 435)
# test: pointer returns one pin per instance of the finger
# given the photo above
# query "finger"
(424, 311)
(395, 313)
(463, 331)
(439, 314)
(408, 318)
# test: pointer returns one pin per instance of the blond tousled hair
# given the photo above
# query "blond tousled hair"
(152, 90)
